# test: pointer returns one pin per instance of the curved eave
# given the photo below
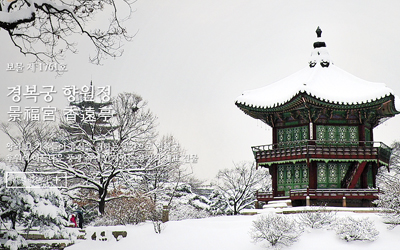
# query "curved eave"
(303, 99)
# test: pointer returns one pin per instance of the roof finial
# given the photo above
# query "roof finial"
(319, 43)
(319, 55)
(319, 32)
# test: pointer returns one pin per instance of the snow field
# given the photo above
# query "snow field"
(232, 232)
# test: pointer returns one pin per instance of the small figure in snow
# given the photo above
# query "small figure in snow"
(80, 217)
(73, 220)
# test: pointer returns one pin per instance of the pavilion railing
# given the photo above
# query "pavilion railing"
(334, 193)
(339, 193)
(318, 149)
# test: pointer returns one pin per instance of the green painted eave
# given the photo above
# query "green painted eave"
(320, 159)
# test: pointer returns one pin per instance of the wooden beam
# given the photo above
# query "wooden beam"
(357, 174)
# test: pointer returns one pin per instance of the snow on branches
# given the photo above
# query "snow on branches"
(317, 218)
(353, 229)
(389, 182)
(29, 206)
(45, 28)
(120, 151)
(278, 230)
(237, 186)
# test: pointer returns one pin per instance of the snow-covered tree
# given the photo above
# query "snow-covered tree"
(277, 230)
(112, 144)
(316, 217)
(353, 229)
(47, 29)
(237, 187)
(395, 158)
(389, 200)
(389, 183)
(19, 203)
(22, 205)
(170, 172)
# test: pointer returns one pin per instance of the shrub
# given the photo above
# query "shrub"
(277, 230)
(316, 217)
(352, 229)
(127, 210)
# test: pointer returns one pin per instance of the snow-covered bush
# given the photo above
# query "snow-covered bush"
(184, 204)
(316, 217)
(29, 206)
(13, 241)
(187, 211)
(278, 230)
(219, 205)
(353, 229)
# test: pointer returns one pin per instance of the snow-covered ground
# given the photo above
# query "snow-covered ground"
(232, 232)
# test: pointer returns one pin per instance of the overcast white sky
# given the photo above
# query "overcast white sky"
(191, 59)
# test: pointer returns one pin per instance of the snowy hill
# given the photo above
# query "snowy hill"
(232, 232)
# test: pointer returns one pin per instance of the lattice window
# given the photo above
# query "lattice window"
(333, 176)
(281, 135)
(304, 131)
(321, 133)
(353, 133)
(342, 133)
(288, 174)
(343, 170)
(305, 173)
(297, 178)
(281, 175)
(296, 134)
(289, 134)
(331, 133)
(321, 172)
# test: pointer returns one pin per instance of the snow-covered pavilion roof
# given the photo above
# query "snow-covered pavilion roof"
(321, 80)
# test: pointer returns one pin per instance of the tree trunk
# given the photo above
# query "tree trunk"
(102, 204)
(13, 218)
(102, 201)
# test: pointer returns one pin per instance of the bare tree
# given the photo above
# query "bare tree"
(168, 154)
(238, 185)
(45, 28)
(28, 137)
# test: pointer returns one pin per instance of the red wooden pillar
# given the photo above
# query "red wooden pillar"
(274, 176)
(364, 177)
(312, 176)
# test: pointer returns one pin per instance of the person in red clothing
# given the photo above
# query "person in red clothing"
(73, 219)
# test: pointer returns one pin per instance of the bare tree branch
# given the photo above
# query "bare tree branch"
(46, 29)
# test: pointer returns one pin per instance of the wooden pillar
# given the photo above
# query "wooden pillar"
(274, 135)
(344, 202)
(273, 170)
(312, 175)
(364, 177)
